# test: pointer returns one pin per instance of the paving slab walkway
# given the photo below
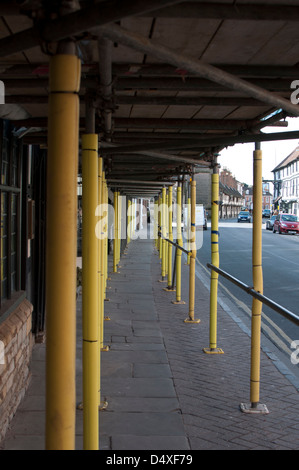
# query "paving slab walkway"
(163, 391)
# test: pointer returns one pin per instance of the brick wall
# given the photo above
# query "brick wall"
(16, 343)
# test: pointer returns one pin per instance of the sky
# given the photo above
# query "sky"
(239, 158)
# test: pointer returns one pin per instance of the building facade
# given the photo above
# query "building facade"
(22, 257)
(286, 184)
(266, 201)
(230, 195)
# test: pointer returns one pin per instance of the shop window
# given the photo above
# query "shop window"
(10, 192)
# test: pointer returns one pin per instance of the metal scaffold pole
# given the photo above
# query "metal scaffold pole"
(163, 234)
(106, 234)
(159, 226)
(257, 274)
(169, 287)
(191, 318)
(90, 292)
(213, 349)
(61, 247)
(115, 239)
(178, 260)
(189, 219)
(129, 222)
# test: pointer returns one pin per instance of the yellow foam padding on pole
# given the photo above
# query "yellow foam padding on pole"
(61, 251)
(257, 275)
(90, 291)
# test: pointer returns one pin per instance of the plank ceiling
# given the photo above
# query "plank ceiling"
(156, 117)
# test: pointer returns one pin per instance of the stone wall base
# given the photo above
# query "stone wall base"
(16, 342)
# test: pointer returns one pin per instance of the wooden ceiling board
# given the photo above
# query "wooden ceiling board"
(237, 41)
(186, 36)
(281, 49)
(147, 111)
(186, 112)
(215, 41)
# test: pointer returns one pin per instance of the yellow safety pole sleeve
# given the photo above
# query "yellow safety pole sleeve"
(169, 283)
(61, 251)
(115, 232)
(101, 268)
(160, 225)
(105, 201)
(156, 222)
(189, 227)
(193, 252)
(166, 233)
(105, 234)
(129, 222)
(163, 216)
(133, 219)
(214, 259)
(257, 274)
(90, 292)
(119, 227)
(104, 241)
(179, 242)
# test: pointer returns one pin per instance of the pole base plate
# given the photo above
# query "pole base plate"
(213, 350)
(188, 320)
(168, 289)
(107, 318)
(105, 348)
(178, 302)
(258, 409)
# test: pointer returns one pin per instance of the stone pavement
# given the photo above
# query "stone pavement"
(163, 391)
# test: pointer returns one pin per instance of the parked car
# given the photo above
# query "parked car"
(266, 213)
(270, 222)
(286, 223)
(244, 216)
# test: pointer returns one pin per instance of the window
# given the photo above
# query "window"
(10, 192)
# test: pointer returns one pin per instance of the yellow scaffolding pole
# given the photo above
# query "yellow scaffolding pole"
(105, 200)
(191, 318)
(166, 234)
(129, 222)
(178, 260)
(257, 274)
(135, 216)
(61, 249)
(104, 276)
(156, 225)
(170, 236)
(119, 227)
(189, 224)
(163, 233)
(159, 226)
(90, 292)
(213, 349)
(115, 239)
(100, 273)
(101, 253)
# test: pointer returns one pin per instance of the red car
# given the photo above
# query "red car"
(286, 223)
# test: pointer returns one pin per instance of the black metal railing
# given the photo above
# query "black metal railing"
(257, 295)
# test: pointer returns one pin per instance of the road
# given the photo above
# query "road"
(280, 276)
